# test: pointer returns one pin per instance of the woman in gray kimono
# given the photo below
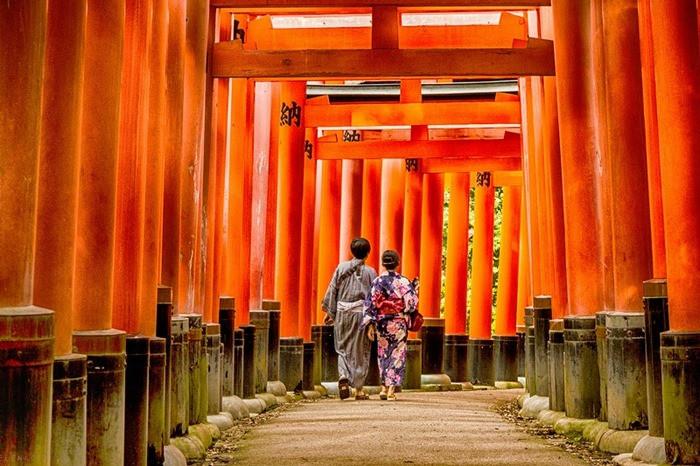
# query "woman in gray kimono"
(343, 303)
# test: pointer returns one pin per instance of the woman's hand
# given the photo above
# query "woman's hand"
(328, 320)
(371, 332)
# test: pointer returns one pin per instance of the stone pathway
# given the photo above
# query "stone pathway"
(419, 428)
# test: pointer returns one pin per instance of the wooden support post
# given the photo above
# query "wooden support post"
(307, 306)
(189, 293)
(524, 282)
(651, 125)
(370, 223)
(506, 298)
(131, 170)
(290, 195)
(482, 260)
(385, 27)
(271, 206)
(237, 244)
(431, 244)
(174, 72)
(329, 223)
(456, 266)
(350, 206)
(264, 117)
(26, 332)
(391, 210)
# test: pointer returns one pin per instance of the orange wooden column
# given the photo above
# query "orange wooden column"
(306, 249)
(651, 125)
(263, 117)
(507, 295)
(271, 207)
(191, 164)
(329, 227)
(26, 332)
(674, 26)
(371, 191)
(431, 244)
(413, 198)
(131, 170)
(456, 266)
(580, 166)
(154, 172)
(290, 191)
(237, 245)
(59, 162)
(391, 210)
(350, 206)
(631, 240)
(94, 261)
(174, 72)
(482, 259)
(524, 283)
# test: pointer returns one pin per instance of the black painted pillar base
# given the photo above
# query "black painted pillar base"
(626, 374)
(317, 338)
(505, 353)
(69, 409)
(238, 361)
(308, 366)
(556, 364)
(413, 364)
(179, 369)
(432, 351)
(329, 358)
(520, 333)
(248, 375)
(292, 362)
(655, 321)
(136, 405)
(680, 372)
(480, 364)
(542, 314)
(195, 349)
(530, 379)
(261, 320)
(213, 355)
(602, 347)
(581, 377)
(455, 357)
(157, 401)
(227, 318)
(273, 340)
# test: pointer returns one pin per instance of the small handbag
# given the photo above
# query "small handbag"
(415, 321)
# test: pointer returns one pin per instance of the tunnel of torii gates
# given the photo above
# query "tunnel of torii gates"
(179, 179)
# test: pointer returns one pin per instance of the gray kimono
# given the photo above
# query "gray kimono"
(343, 301)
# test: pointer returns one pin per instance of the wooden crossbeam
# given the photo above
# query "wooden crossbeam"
(397, 114)
(231, 61)
(490, 149)
(472, 164)
(262, 36)
(246, 5)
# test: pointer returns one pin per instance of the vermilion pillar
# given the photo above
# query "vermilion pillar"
(350, 206)
(431, 244)
(480, 364)
(263, 121)
(456, 266)
(237, 245)
(290, 190)
(131, 170)
(651, 125)
(371, 191)
(482, 259)
(306, 249)
(413, 198)
(26, 332)
(391, 210)
(329, 224)
(675, 28)
(189, 297)
(57, 195)
(271, 206)
(524, 285)
(154, 174)
(174, 72)
(507, 295)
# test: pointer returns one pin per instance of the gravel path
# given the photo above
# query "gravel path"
(420, 428)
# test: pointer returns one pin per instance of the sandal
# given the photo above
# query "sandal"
(362, 396)
(344, 388)
(391, 397)
(382, 396)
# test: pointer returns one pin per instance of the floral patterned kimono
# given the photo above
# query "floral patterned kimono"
(390, 300)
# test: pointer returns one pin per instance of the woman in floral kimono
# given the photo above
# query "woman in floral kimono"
(387, 308)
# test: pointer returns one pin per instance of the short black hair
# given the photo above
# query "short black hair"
(390, 259)
(360, 248)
